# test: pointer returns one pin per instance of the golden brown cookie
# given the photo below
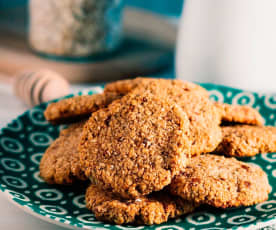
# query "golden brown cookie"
(221, 182)
(136, 145)
(204, 130)
(204, 117)
(78, 107)
(239, 114)
(60, 163)
(246, 141)
(124, 86)
(153, 209)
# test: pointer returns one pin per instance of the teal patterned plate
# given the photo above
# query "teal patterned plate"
(24, 140)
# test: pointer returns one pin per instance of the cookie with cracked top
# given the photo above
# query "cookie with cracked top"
(136, 145)
(221, 182)
(78, 107)
(156, 208)
(240, 114)
(122, 87)
(204, 117)
(60, 163)
(246, 141)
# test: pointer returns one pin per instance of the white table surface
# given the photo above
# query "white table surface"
(12, 217)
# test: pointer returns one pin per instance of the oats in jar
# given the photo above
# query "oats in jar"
(74, 28)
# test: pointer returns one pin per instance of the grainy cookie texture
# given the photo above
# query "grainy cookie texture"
(136, 145)
(204, 117)
(221, 182)
(75, 108)
(229, 113)
(124, 86)
(146, 149)
(246, 141)
(239, 114)
(205, 132)
(154, 209)
(60, 163)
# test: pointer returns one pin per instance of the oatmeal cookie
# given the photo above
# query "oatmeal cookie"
(221, 182)
(75, 108)
(153, 209)
(60, 163)
(246, 141)
(239, 114)
(193, 99)
(136, 145)
(124, 86)
(204, 131)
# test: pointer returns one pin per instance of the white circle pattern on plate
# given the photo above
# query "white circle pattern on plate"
(267, 206)
(37, 116)
(38, 178)
(12, 165)
(11, 145)
(49, 194)
(170, 227)
(79, 201)
(14, 182)
(36, 158)
(242, 219)
(15, 126)
(201, 218)
(269, 157)
(53, 209)
(16, 195)
(130, 227)
(244, 98)
(40, 139)
(270, 101)
(215, 228)
(24, 140)
(216, 95)
(87, 219)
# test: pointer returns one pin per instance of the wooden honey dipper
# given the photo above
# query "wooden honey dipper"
(35, 87)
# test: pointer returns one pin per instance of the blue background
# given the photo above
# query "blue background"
(163, 7)
(166, 7)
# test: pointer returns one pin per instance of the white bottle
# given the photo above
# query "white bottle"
(230, 42)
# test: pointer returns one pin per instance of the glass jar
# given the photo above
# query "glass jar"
(75, 28)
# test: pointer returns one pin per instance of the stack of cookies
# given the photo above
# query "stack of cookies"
(153, 150)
